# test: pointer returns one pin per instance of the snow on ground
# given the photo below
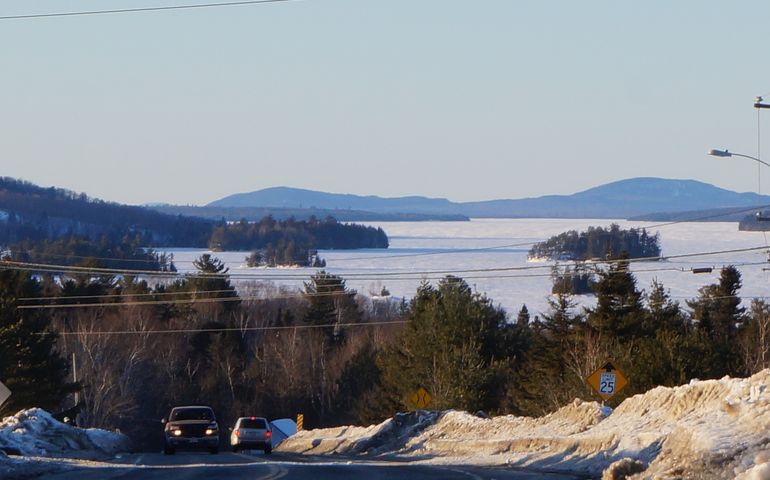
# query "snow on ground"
(706, 429)
(34, 433)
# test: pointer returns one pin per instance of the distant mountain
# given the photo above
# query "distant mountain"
(621, 199)
(254, 214)
(286, 197)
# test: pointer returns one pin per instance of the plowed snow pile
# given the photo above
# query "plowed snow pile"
(707, 429)
(34, 433)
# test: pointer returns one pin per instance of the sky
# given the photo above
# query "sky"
(460, 99)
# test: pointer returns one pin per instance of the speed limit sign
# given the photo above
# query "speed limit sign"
(607, 381)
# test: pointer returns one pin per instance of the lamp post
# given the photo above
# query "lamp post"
(726, 153)
(758, 103)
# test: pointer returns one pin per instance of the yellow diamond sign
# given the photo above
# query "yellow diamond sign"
(421, 398)
(607, 381)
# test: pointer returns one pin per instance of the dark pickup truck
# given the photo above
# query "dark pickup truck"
(191, 427)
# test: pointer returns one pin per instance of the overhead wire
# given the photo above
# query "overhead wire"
(701, 218)
(224, 329)
(246, 298)
(140, 9)
(425, 254)
(50, 268)
(419, 254)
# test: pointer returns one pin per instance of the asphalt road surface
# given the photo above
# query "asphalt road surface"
(237, 466)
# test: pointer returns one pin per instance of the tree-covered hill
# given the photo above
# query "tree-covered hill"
(37, 213)
(598, 242)
(37, 221)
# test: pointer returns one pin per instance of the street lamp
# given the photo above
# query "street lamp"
(758, 103)
(726, 153)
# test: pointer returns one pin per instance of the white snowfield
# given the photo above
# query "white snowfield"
(34, 434)
(707, 429)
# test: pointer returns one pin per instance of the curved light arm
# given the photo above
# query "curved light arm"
(725, 153)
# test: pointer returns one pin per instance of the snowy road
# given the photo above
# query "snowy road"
(191, 466)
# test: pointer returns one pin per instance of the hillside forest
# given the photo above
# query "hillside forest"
(57, 226)
(143, 345)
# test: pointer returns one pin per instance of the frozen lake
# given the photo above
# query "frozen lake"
(491, 255)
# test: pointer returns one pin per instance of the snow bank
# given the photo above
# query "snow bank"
(35, 433)
(390, 436)
(707, 429)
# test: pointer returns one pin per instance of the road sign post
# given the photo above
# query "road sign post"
(607, 381)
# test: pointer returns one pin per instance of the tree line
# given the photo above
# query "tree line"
(307, 234)
(39, 217)
(340, 357)
(127, 254)
(598, 242)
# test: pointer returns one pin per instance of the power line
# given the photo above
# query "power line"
(220, 330)
(50, 268)
(424, 254)
(705, 217)
(91, 257)
(189, 301)
(409, 255)
(139, 9)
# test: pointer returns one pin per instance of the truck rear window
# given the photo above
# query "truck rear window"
(192, 414)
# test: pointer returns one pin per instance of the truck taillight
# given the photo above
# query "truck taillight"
(268, 434)
(237, 433)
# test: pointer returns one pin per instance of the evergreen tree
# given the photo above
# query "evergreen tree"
(331, 305)
(359, 396)
(212, 281)
(30, 365)
(452, 346)
(548, 380)
(619, 309)
(720, 319)
(522, 320)
(667, 357)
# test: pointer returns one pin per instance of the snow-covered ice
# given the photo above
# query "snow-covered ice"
(477, 251)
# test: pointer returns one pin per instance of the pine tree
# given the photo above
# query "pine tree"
(452, 346)
(720, 319)
(331, 305)
(30, 365)
(212, 281)
(548, 380)
(619, 309)
(667, 357)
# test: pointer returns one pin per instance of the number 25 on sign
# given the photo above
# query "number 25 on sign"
(607, 381)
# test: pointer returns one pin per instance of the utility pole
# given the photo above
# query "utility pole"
(75, 378)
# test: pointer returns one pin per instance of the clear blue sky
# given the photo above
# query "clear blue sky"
(462, 99)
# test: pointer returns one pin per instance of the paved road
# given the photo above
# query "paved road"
(237, 466)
